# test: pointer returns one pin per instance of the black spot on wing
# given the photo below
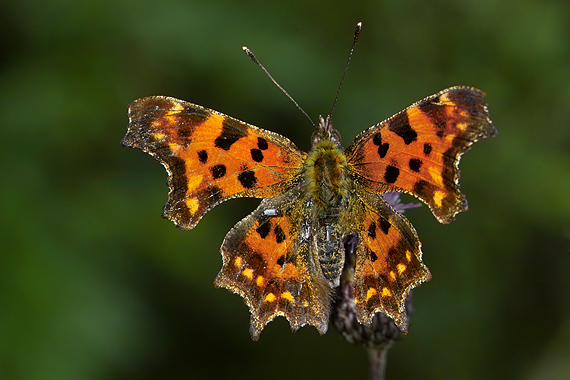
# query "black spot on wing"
(256, 155)
(401, 126)
(382, 147)
(218, 171)
(231, 132)
(372, 230)
(427, 149)
(279, 234)
(373, 256)
(385, 226)
(263, 229)
(415, 164)
(391, 174)
(247, 179)
(262, 143)
(203, 156)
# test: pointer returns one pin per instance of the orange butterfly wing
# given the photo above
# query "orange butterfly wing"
(417, 151)
(388, 261)
(268, 259)
(209, 157)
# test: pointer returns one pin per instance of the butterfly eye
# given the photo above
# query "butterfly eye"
(335, 137)
(315, 137)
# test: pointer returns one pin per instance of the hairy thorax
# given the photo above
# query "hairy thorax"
(327, 190)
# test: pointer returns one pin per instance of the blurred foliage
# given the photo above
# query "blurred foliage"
(95, 285)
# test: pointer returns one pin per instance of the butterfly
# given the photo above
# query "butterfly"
(286, 257)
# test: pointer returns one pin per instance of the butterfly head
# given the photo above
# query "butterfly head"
(325, 131)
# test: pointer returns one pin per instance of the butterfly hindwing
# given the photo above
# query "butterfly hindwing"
(267, 259)
(210, 157)
(388, 262)
(418, 150)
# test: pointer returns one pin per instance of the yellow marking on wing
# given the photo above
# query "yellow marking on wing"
(269, 298)
(174, 147)
(401, 268)
(248, 272)
(438, 197)
(259, 281)
(238, 261)
(288, 296)
(436, 178)
(386, 292)
(158, 136)
(461, 126)
(164, 122)
(192, 204)
(171, 119)
(408, 255)
(176, 107)
(173, 113)
(393, 275)
(370, 293)
(193, 182)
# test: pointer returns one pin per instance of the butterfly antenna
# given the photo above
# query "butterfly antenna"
(356, 35)
(252, 57)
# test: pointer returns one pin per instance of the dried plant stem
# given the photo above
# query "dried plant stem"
(378, 358)
(382, 332)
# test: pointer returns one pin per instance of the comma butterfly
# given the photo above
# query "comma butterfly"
(287, 256)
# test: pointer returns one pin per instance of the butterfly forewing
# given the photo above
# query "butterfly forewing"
(210, 157)
(418, 150)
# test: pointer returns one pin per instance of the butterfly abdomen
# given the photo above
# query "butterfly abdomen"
(329, 243)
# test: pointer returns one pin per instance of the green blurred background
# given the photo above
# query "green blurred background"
(95, 285)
